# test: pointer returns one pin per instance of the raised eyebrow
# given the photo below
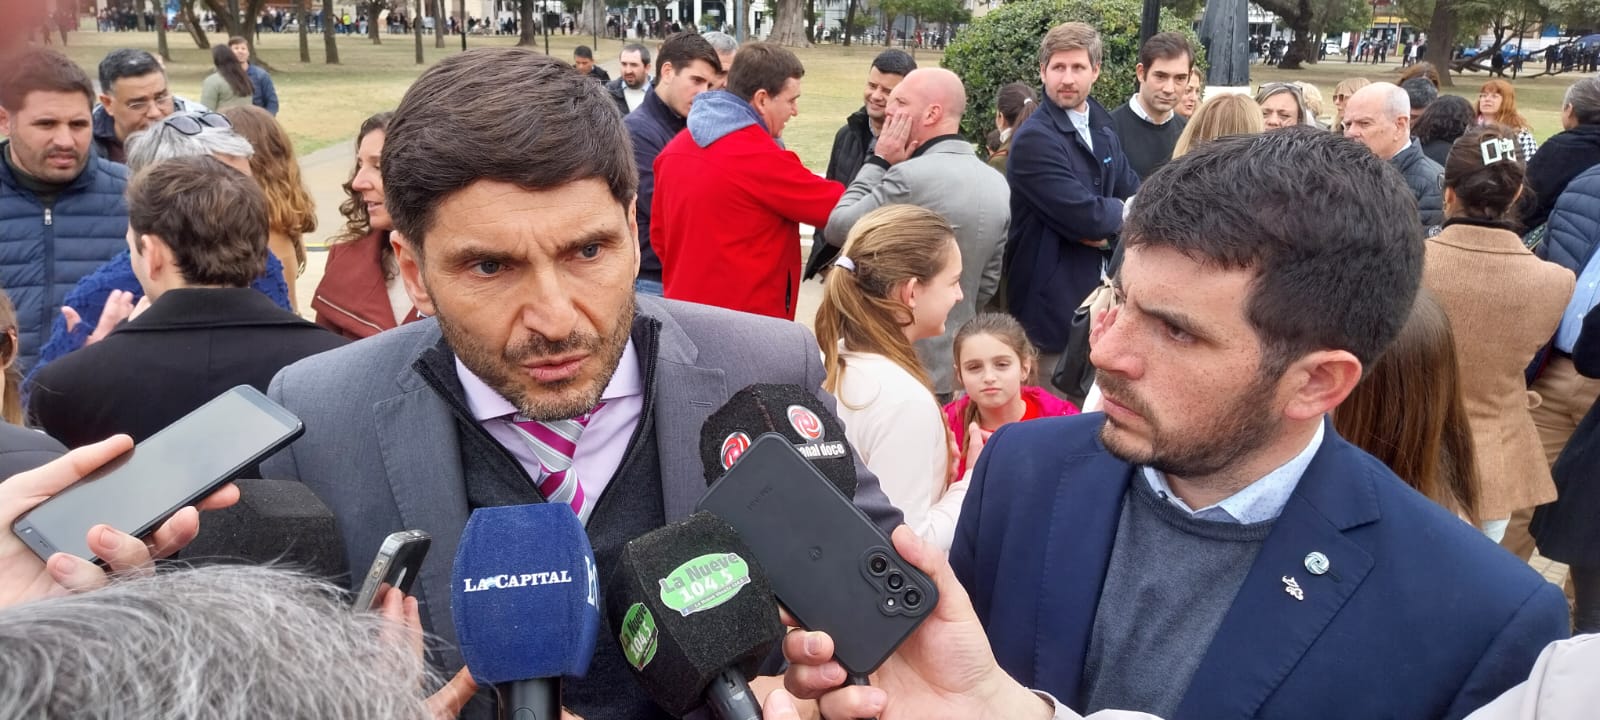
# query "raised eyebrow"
(1176, 319)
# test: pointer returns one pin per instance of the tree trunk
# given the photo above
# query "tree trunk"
(300, 20)
(849, 21)
(330, 46)
(1441, 40)
(1302, 48)
(811, 21)
(525, 36)
(141, 23)
(191, 20)
(590, 20)
(161, 35)
(416, 31)
(373, 8)
(438, 23)
(788, 24)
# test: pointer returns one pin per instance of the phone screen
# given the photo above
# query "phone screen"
(175, 467)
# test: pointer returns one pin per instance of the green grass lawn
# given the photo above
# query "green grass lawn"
(323, 104)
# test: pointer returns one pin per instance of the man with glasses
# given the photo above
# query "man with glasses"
(133, 94)
(61, 207)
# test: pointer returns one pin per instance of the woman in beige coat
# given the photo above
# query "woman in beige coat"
(1504, 304)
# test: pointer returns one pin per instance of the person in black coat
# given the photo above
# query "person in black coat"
(854, 141)
(1566, 530)
(201, 237)
(1566, 153)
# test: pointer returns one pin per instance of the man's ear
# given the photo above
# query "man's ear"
(409, 261)
(1318, 382)
(1139, 71)
(105, 100)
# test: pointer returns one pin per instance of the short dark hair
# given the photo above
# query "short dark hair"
(1445, 119)
(686, 47)
(1420, 92)
(894, 62)
(545, 125)
(583, 51)
(1487, 191)
(126, 63)
(644, 52)
(763, 66)
(212, 216)
(40, 70)
(1319, 218)
(238, 40)
(1165, 46)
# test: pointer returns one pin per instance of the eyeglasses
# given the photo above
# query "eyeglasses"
(164, 100)
(195, 123)
(1340, 97)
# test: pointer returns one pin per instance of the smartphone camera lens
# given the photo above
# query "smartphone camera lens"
(878, 564)
(913, 599)
(896, 581)
(890, 604)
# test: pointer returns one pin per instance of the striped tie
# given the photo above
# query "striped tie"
(555, 443)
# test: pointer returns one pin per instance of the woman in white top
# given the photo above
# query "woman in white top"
(897, 278)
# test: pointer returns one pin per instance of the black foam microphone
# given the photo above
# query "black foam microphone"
(789, 410)
(695, 616)
(274, 522)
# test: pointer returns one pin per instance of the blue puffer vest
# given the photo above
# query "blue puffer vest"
(43, 253)
(1573, 232)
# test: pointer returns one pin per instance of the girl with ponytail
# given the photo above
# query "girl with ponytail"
(896, 280)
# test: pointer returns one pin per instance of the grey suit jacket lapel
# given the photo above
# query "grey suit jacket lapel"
(685, 395)
(422, 462)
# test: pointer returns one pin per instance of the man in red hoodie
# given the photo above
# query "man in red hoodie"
(729, 199)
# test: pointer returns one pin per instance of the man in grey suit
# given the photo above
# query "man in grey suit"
(524, 261)
(921, 159)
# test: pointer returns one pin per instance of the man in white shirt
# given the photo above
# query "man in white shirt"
(634, 81)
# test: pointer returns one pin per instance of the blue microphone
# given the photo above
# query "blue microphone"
(526, 602)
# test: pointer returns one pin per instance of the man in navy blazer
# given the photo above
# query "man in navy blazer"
(1210, 548)
(1069, 177)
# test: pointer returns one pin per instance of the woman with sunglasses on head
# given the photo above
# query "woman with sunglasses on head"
(290, 210)
(361, 293)
(110, 294)
(1282, 105)
(1504, 304)
(229, 85)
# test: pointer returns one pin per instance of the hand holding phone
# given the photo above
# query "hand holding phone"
(142, 487)
(395, 567)
(24, 576)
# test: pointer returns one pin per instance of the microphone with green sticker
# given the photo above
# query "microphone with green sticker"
(695, 616)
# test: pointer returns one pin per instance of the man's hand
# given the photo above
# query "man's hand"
(1100, 244)
(894, 141)
(23, 577)
(119, 307)
(945, 669)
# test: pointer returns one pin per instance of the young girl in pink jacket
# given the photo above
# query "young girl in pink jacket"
(993, 358)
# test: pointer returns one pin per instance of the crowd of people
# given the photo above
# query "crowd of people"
(1191, 406)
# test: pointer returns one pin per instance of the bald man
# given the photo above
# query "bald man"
(1379, 117)
(921, 159)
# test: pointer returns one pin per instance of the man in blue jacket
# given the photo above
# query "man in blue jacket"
(1069, 177)
(61, 208)
(266, 94)
(1210, 548)
(686, 66)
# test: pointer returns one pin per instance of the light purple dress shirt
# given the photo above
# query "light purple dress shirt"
(604, 440)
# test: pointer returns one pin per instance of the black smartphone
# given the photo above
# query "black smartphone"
(177, 466)
(398, 561)
(829, 564)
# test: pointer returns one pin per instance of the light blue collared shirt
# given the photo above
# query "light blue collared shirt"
(1583, 300)
(1259, 501)
(1080, 122)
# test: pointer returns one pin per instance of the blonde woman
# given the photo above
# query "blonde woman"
(894, 283)
(1231, 114)
(1341, 95)
(290, 210)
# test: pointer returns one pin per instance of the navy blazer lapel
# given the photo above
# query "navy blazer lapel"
(1268, 629)
(422, 462)
(685, 395)
(1082, 530)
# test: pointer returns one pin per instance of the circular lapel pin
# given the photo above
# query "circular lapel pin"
(1317, 563)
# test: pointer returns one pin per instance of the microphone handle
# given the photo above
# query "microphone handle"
(531, 699)
(730, 698)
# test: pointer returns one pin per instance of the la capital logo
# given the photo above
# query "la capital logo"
(732, 447)
(805, 422)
